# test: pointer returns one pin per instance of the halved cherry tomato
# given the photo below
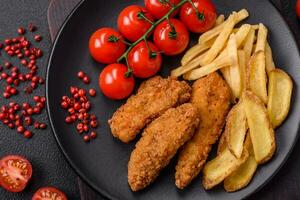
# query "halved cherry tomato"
(143, 61)
(114, 83)
(202, 22)
(298, 8)
(131, 23)
(159, 8)
(15, 172)
(47, 193)
(106, 46)
(171, 38)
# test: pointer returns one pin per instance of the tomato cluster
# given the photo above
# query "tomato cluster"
(143, 58)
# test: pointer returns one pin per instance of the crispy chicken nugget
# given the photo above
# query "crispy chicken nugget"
(153, 98)
(212, 96)
(159, 143)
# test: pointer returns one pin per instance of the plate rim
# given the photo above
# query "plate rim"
(80, 173)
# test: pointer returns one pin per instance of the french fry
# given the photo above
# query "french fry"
(248, 44)
(220, 42)
(243, 68)
(234, 69)
(219, 20)
(244, 174)
(256, 76)
(261, 38)
(226, 74)
(207, 69)
(280, 92)
(255, 27)
(236, 129)
(196, 62)
(261, 131)
(196, 51)
(216, 170)
(189, 66)
(241, 35)
(241, 15)
(269, 59)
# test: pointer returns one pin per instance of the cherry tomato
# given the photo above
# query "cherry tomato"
(143, 62)
(113, 82)
(47, 193)
(202, 22)
(106, 46)
(298, 8)
(131, 24)
(171, 39)
(159, 9)
(15, 172)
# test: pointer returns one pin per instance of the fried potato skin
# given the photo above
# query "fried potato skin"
(159, 143)
(153, 98)
(212, 96)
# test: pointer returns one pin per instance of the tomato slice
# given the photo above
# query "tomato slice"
(49, 193)
(15, 172)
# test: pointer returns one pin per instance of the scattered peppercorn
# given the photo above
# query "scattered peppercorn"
(78, 106)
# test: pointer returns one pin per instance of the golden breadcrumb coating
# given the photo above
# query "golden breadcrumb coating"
(153, 98)
(212, 96)
(159, 143)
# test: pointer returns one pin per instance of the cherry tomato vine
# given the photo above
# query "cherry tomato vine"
(172, 34)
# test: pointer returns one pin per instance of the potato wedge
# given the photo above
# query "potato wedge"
(241, 15)
(244, 174)
(236, 129)
(280, 93)
(196, 51)
(216, 170)
(222, 145)
(243, 68)
(220, 42)
(256, 76)
(269, 59)
(219, 20)
(234, 69)
(248, 44)
(261, 38)
(261, 131)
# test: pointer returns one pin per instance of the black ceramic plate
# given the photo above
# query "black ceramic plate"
(103, 162)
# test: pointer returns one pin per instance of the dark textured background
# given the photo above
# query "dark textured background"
(50, 167)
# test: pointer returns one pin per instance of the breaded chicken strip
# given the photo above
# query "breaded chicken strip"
(211, 95)
(159, 143)
(153, 98)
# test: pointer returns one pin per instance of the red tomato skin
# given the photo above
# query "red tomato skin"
(38, 193)
(158, 10)
(113, 82)
(168, 45)
(104, 51)
(130, 26)
(143, 66)
(298, 8)
(190, 19)
(27, 178)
